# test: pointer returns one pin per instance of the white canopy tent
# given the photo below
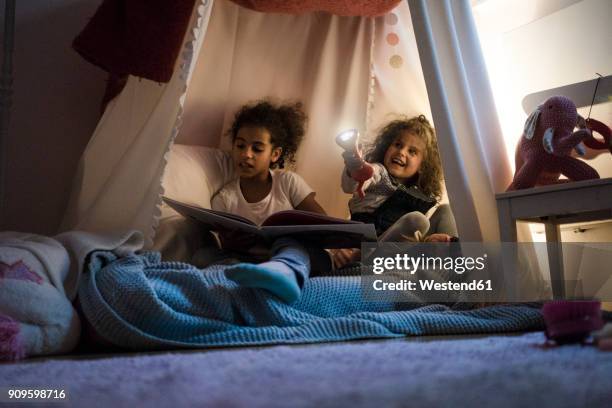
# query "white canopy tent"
(348, 71)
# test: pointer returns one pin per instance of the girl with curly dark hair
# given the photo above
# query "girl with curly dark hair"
(266, 136)
(406, 184)
(285, 125)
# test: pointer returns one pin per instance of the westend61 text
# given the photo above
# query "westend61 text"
(429, 285)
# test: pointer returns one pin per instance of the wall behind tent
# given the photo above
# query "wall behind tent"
(55, 108)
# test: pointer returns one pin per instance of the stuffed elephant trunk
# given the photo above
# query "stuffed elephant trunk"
(561, 142)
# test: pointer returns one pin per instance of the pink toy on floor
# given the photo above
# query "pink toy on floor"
(571, 321)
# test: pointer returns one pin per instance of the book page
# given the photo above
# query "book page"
(216, 220)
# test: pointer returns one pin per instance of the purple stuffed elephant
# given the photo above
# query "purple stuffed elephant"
(544, 151)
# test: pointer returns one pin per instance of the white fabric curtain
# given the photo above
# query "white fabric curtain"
(469, 136)
(117, 186)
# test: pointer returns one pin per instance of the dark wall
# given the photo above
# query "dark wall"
(55, 108)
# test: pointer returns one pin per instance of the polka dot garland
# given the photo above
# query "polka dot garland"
(391, 19)
(396, 61)
(392, 38)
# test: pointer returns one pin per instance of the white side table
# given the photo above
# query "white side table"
(553, 206)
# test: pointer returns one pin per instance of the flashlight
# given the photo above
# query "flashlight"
(349, 141)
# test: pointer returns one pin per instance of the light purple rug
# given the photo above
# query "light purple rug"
(499, 371)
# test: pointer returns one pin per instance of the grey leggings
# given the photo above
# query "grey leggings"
(442, 221)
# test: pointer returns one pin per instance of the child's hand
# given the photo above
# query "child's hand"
(342, 257)
(352, 161)
(438, 238)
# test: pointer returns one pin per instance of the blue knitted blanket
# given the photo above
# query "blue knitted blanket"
(140, 302)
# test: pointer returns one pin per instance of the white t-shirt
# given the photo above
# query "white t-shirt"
(288, 191)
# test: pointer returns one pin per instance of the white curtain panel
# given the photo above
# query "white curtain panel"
(469, 135)
(118, 181)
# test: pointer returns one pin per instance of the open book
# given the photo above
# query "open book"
(309, 228)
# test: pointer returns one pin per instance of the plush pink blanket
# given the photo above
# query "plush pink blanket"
(39, 277)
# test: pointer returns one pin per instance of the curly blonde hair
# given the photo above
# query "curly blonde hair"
(430, 174)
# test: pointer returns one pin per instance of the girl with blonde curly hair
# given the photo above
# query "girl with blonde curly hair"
(406, 184)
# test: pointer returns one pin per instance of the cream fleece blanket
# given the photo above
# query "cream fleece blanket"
(39, 278)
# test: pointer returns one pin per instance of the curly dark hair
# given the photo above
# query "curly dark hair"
(430, 174)
(286, 124)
